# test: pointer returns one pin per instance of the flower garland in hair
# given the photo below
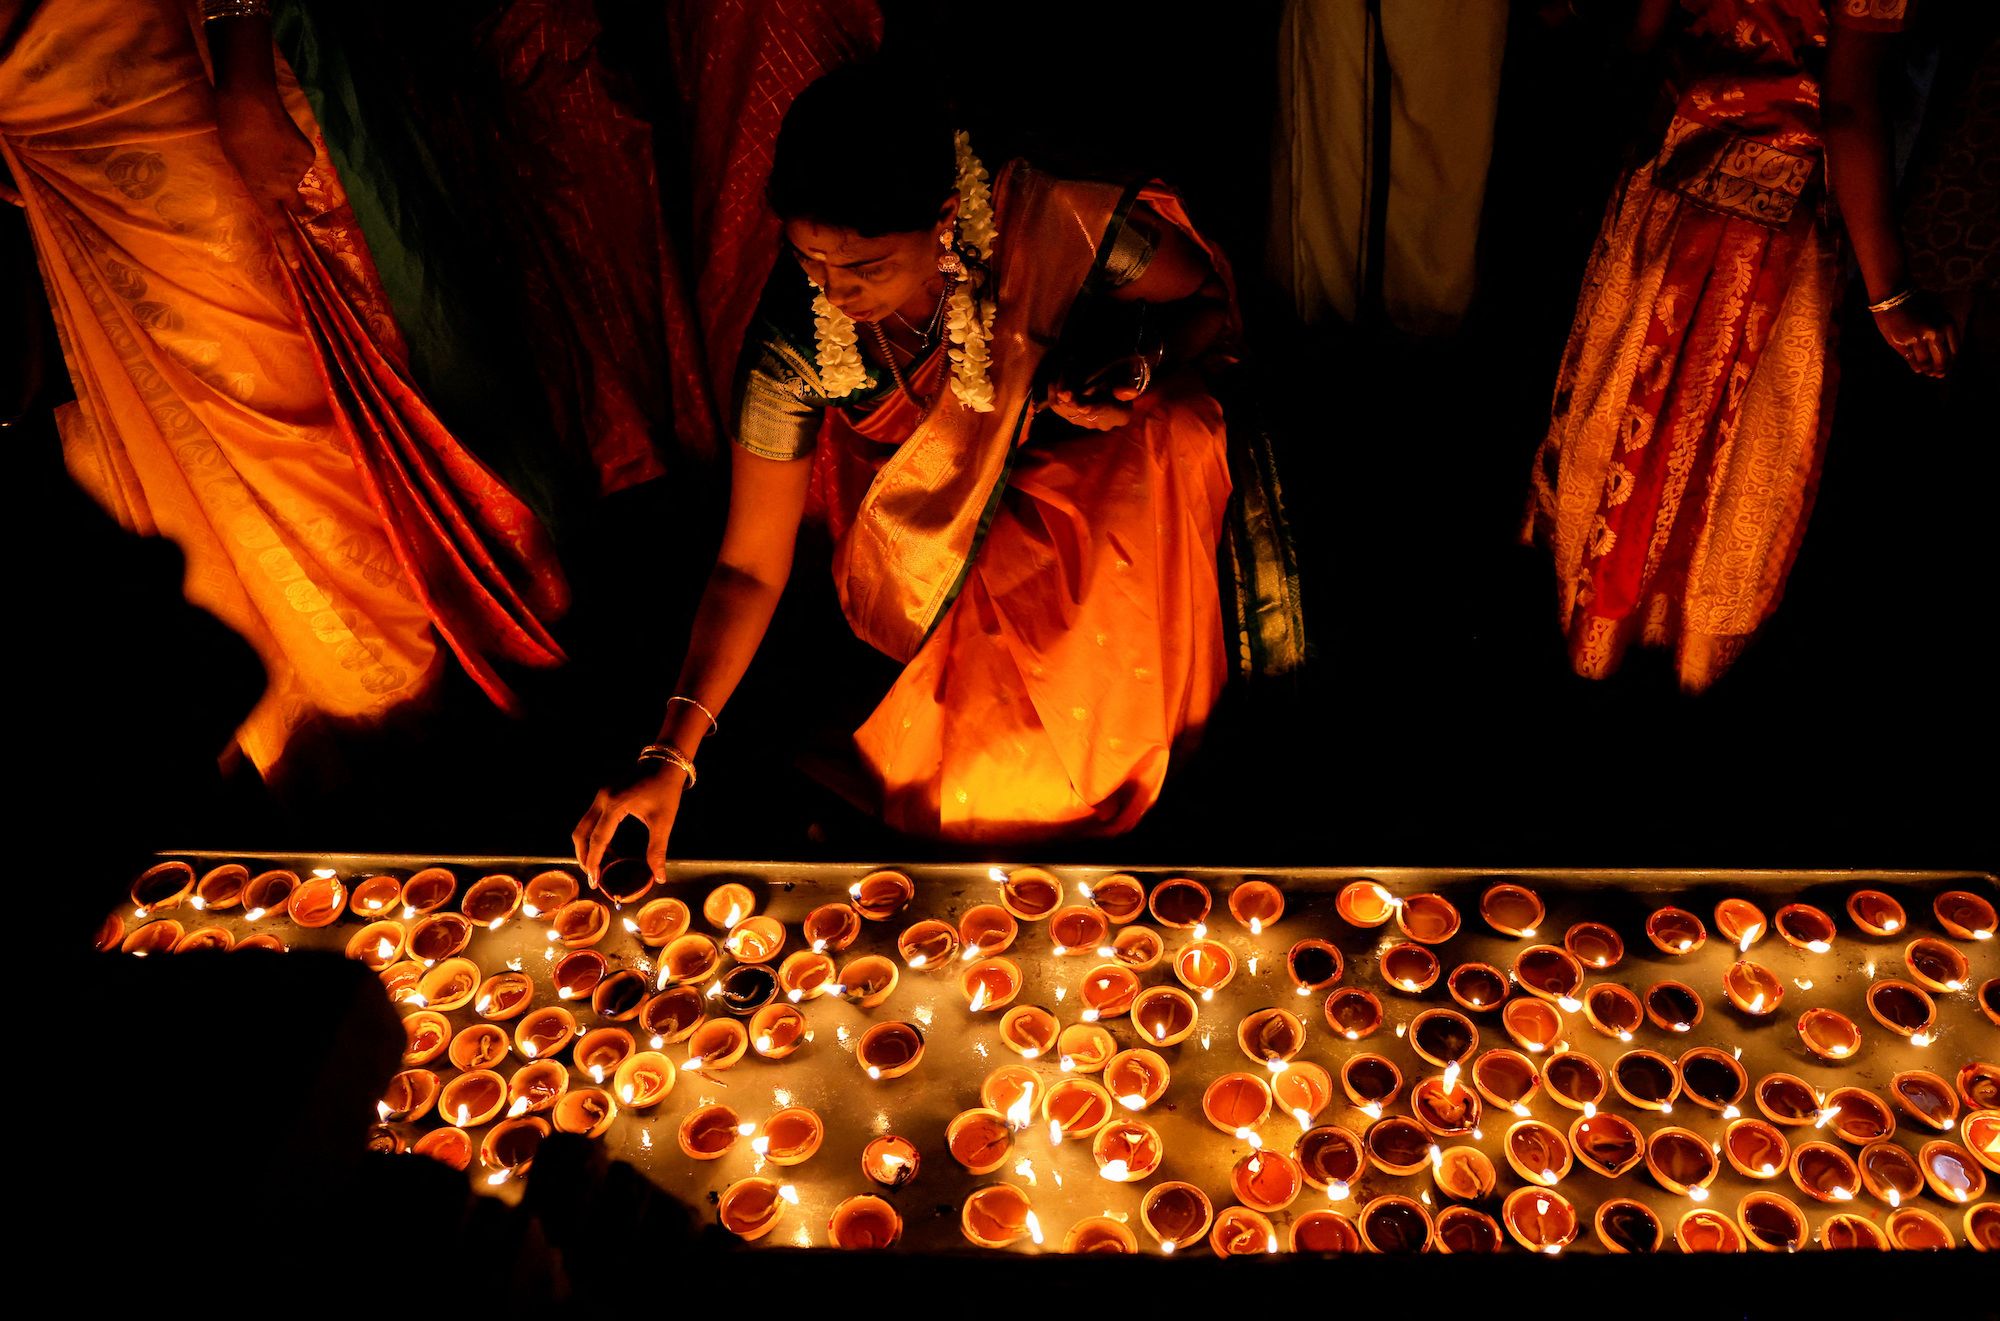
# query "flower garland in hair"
(968, 315)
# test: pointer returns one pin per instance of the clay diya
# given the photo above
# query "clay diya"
(1613, 1010)
(1845, 1231)
(1330, 1158)
(1714, 1079)
(1824, 1172)
(576, 976)
(619, 997)
(1175, 1214)
(673, 1015)
(741, 991)
(1205, 967)
(1772, 1222)
(990, 984)
(709, 1132)
(729, 903)
(1353, 1013)
(1741, 923)
(1624, 1225)
(863, 1223)
(997, 1216)
(1267, 1180)
(1926, 1098)
(644, 1080)
(1372, 1082)
(1075, 1108)
(1506, 1078)
(869, 979)
(1444, 1107)
(1646, 1079)
(927, 944)
(1951, 1171)
(1443, 1036)
(881, 895)
(1753, 988)
(473, 1098)
(1540, 1219)
(586, 1112)
(1138, 948)
(1031, 894)
(1257, 905)
(1100, 1235)
(580, 923)
(1085, 1048)
(1477, 986)
(1236, 1103)
(1395, 1224)
(221, 888)
(204, 938)
(1914, 1229)
(1512, 910)
(1271, 1037)
(1703, 1230)
(622, 880)
(1889, 1173)
(1538, 1152)
(450, 985)
(1130, 1150)
(1858, 1116)
(1594, 945)
(376, 945)
(425, 1037)
(1876, 913)
(261, 940)
(759, 939)
(1675, 931)
(1410, 968)
(400, 981)
(889, 1050)
(1981, 1131)
(1550, 973)
(1179, 903)
(110, 933)
(1365, 904)
(1964, 915)
(790, 1136)
(542, 1033)
(1673, 1006)
(1755, 1149)
(1989, 998)
(806, 975)
(510, 1147)
(1784, 1098)
(1428, 919)
(1462, 1229)
(832, 927)
(1325, 1231)
(1164, 1015)
(777, 1030)
(163, 885)
(438, 936)
(1397, 1145)
(536, 1087)
(427, 891)
(1119, 897)
(1982, 1227)
(1936, 965)
(751, 1208)
(408, 1097)
(890, 1160)
(1607, 1144)
(1012, 1089)
(1137, 1078)
(1681, 1161)
(269, 891)
(491, 900)
(547, 891)
(1464, 1174)
(660, 922)
(1829, 1034)
(986, 930)
(451, 1147)
(716, 1045)
(317, 902)
(600, 1051)
(690, 958)
(1901, 1007)
(1533, 1024)
(1805, 927)
(480, 1046)
(1574, 1080)
(1241, 1232)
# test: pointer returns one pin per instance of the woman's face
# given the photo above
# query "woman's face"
(868, 278)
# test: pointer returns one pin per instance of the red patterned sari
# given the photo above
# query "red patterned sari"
(1695, 396)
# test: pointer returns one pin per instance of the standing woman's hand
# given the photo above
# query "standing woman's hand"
(264, 144)
(654, 799)
(1921, 332)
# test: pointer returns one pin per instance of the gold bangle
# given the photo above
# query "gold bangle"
(1893, 300)
(667, 752)
(712, 726)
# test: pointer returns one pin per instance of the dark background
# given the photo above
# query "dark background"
(1438, 723)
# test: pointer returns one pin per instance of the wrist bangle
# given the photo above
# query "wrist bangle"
(667, 752)
(212, 10)
(1894, 300)
(712, 726)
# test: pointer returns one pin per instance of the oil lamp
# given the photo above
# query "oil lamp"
(709, 1131)
(729, 903)
(998, 1215)
(1756, 1149)
(643, 1080)
(1100, 1234)
(1265, 1180)
(1365, 904)
(1325, 1231)
(1393, 1223)
(863, 1223)
(890, 1160)
(928, 944)
(1477, 986)
(473, 1098)
(1540, 1219)
(673, 1015)
(1539, 1153)
(1119, 897)
(1175, 1214)
(1128, 1151)
(1625, 1225)
(585, 1112)
(889, 1050)
(1607, 1144)
(1257, 905)
(1427, 919)
(1179, 903)
(832, 928)
(1594, 945)
(1031, 894)
(1353, 1013)
(1512, 910)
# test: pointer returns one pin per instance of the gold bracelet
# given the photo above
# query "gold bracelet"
(712, 726)
(211, 10)
(1893, 300)
(669, 753)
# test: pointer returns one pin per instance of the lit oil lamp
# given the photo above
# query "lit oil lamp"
(1179, 903)
(1989, 998)
(576, 975)
(1951, 1171)
(1682, 1162)
(777, 1030)
(1129, 1151)
(741, 991)
(890, 1161)
(1673, 1006)
(709, 1131)
(547, 891)
(586, 1112)
(624, 880)
(1396, 1224)
(1714, 1079)
(480, 1046)
(643, 1080)
(1445, 1108)
(317, 902)
(1936, 965)
(221, 888)
(831, 928)
(989, 984)
(161, 886)
(1675, 931)
(408, 1097)
(1550, 973)
(1462, 1229)
(1876, 913)
(691, 958)
(1302, 1091)
(986, 930)
(1428, 919)
(1257, 905)
(110, 934)
(661, 922)
(1075, 1108)
(928, 944)
(758, 939)
(1540, 1219)
(1271, 1037)
(791, 1136)
(751, 1208)
(1824, 1172)
(1926, 1098)
(1241, 1232)
(473, 1098)
(502, 996)
(1753, 988)
(998, 1215)
(1013, 1089)
(1703, 1230)
(1372, 1082)
(261, 940)
(1085, 1048)
(1163, 1015)
(1137, 1078)
(620, 997)
(439, 936)
(581, 923)
(1574, 1080)
(1982, 1227)
(1964, 915)
(1628, 1226)
(889, 1050)
(1205, 967)
(426, 891)
(1512, 910)
(1397, 1145)
(600, 1051)
(1829, 1034)
(1353, 1013)
(1594, 945)
(1443, 1037)
(1981, 1131)
(1857, 1116)
(1804, 927)
(376, 945)
(1100, 1235)
(450, 1147)
(1176, 1214)
(1533, 1024)
(1607, 1144)
(1031, 894)
(213, 939)
(1784, 1098)
(1646, 1080)
(269, 892)
(1313, 965)
(1914, 1229)
(1138, 948)
(543, 1033)
(1772, 1222)
(1325, 1231)
(864, 1223)
(1612, 1010)
(806, 975)
(1464, 1174)
(1889, 1173)
(425, 1037)
(1365, 904)
(400, 981)
(1507, 1079)
(1903, 1008)
(1120, 897)
(1755, 1149)
(1410, 968)
(371, 897)
(1330, 1158)
(1263, 1180)
(716, 1045)
(450, 985)
(1538, 1152)
(491, 900)
(383, 1140)
(1477, 986)
(1078, 930)
(731, 902)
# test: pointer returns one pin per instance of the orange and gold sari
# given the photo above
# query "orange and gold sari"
(252, 406)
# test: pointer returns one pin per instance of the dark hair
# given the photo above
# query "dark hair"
(864, 148)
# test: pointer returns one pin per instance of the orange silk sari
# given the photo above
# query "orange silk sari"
(1055, 603)
(251, 408)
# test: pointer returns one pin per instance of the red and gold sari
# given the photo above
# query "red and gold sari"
(1695, 395)
(251, 405)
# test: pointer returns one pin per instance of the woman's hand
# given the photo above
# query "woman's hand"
(1102, 403)
(1921, 333)
(654, 799)
(266, 147)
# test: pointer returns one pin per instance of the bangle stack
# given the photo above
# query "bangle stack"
(712, 726)
(667, 752)
(1897, 299)
(211, 10)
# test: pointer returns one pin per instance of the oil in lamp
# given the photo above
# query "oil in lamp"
(1445, 1108)
(1982, 1227)
(1325, 1231)
(450, 985)
(1756, 1149)
(1085, 1048)
(1330, 1158)
(862, 1223)
(1551, 973)
(1829, 1034)
(585, 1112)
(1512, 910)
(689, 958)
(491, 900)
(581, 922)
(1365, 904)
(777, 1030)
(716, 1045)
(889, 1050)
(1889, 1173)
(890, 1160)
(751, 1208)
(510, 1147)
(1857, 1116)
(1464, 1174)
(709, 1131)
(791, 1136)
(1264, 1180)
(1979, 1085)
(1462, 1229)
(998, 1215)
(1964, 915)
(1443, 1037)
(1302, 1091)
(727, 904)
(1916, 1230)
(1410, 968)
(1507, 1078)
(1714, 1079)
(1903, 1008)
(620, 997)
(1119, 897)
(542, 1033)
(1100, 1234)
(1876, 913)
(547, 891)
(439, 936)
(1078, 929)
(1236, 1103)
(1031, 894)
(806, 975)
(1675, 931)
(1772, 1222)
(756, 939)
(1926, 1098)
(600, 1051)
(1257, 905)
(989, 983)
(1607, 1144)
(1594, 945)
(480, 1046)
(1477, 986)
(1538, 1152)
(269, 891)
(1179, 903)
(1673, 1006)
(261, 940)
(643, 1080)
(473, 1098)
(624, 880)
(1845, 1231)
(451, 1147)
(1804, 927)
(1625, 1225)
(1272, 1037)
(986, 930)
(1646, 1080)
(1371, 1082)
(1397, 1145)
(318, 901)
(1352, 1012)
(1393, 1223)
(1163, 1015)
(1137, 1078)
(1753, 988)
(673, 1015)
(1075, 1108)
(1241, 1232)
(1128, 1151)
(408, 1097)
(1574, 1080)
(1703, 1230)
(1540, 1219)
(1029, 1030)
(1951, 1171)
(204, 938)
(928, 944)
(425, 891)
(161, 886)
(425, 1036)
(1533, 1024)
(1784, 1098)
(661, 922)
(1205, 967)
(1824, 1172)
(1427, 919)
(1138, 948)
(1175, 1214)
(1681, 1161)
(1936, 965)
(376, 945)
(1012, 1089)
(1313, 965)
(221, 888)
(1612, 1010)
(832, 928)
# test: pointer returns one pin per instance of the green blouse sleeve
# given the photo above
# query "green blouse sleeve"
(780, 402)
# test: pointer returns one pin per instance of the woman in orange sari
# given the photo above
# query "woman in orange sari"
(1033, 538)
(240, 385)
